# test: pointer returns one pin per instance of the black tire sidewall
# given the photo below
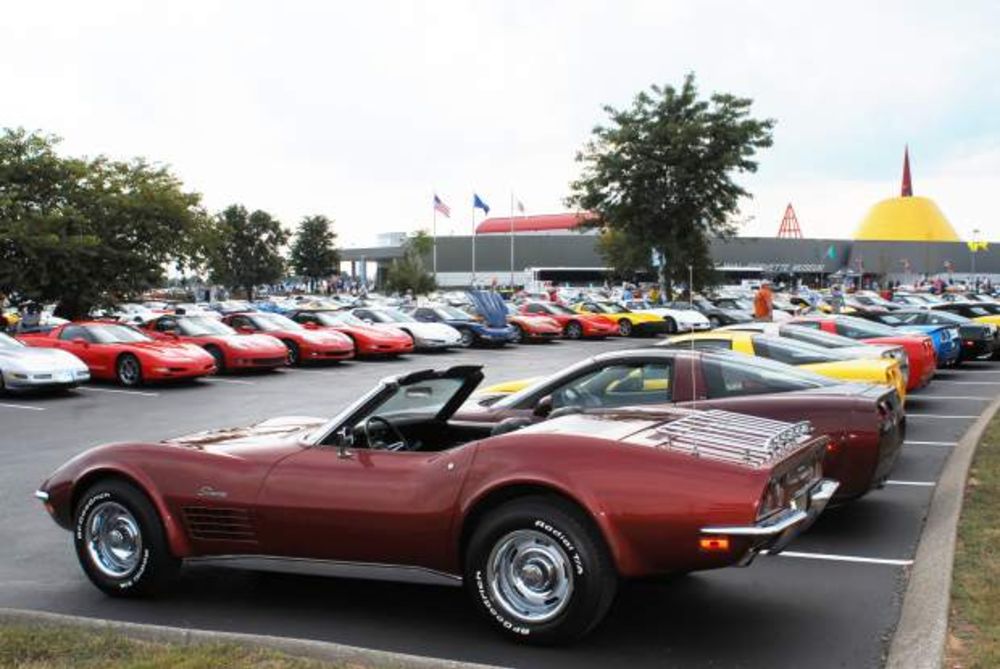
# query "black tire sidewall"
(594, 576)
(157, 566)
(294, 353)
(220, 358)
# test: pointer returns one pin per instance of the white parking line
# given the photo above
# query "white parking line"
(950, 397)
(969, 383)
(930, 443)
(234, 381)
(937, 415)
(22, 406)
(844, 558)
(118, 392)
(925, 484)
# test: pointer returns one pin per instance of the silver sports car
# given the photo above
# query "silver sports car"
(26, 368)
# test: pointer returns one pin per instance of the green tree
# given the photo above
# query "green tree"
(410, 272)
(83, 232)
(661, 171)
(244, 250)
(626, 256)
(313, 253)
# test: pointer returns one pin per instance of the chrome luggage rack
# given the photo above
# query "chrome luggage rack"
(733, 437)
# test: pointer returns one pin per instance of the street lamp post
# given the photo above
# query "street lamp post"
(975, 249)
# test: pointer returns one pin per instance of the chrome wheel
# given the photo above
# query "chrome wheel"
(574, 330)
(467, 338)
(518, 335)
(625, 327)
(129, 371)
(113, 540)
(530, 576)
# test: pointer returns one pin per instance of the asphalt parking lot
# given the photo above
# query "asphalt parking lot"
(832, 600)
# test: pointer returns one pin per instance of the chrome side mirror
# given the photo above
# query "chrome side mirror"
(345, 439)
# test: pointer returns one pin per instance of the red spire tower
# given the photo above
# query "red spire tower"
(789, 228)
(907, 190)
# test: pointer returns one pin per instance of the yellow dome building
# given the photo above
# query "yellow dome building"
(906, 218)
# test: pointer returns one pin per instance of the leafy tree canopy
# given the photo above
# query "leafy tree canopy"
(314, 254)
(83, 232)
(244, 249)
(662, 172)
(409, 272)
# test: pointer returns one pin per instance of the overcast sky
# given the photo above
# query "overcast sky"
(362, 110)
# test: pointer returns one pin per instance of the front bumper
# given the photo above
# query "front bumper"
(44, 380)
(694, 327)
(320, 353)
(774, 533)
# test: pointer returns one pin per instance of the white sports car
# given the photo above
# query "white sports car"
(685, 320)
(425, 335)
(26, 368)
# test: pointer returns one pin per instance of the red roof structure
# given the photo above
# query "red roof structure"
(542, 223)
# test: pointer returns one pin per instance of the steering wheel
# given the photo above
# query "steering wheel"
(400, 443)
(578, 397)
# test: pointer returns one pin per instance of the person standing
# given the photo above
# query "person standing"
(763, 303)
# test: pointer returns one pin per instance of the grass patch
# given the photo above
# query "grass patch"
(974, 625)
(59, 647)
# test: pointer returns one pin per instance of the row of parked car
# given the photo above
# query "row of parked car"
(139, 344)
(539, 495)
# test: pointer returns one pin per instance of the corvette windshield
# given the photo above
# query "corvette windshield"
(200, 326)
(612, 308)
(339, 318)
(792, 352)
(115, 334)
(942, 318)
(559, 309)
(860, 328)
(815, 337)
(9, 342)
(452, 314)
(396, 316)
(272, 322)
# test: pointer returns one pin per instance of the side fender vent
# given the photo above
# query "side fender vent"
(220, 524)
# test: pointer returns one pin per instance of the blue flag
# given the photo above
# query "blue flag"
(477, 203)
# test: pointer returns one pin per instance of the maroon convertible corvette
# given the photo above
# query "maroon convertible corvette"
(538, 523)
(865, 423)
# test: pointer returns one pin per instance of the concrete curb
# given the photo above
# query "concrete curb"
(318, 650)
(921, 635)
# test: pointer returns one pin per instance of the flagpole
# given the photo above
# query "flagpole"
(512, 242)
(434, 237)
(473, 242)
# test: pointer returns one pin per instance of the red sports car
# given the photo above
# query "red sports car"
(368, 339)
(538, 524)
(121, 353)
(574, 325)
(303, 345)
(865, 424)
(230, 349)
(532, 327)
(919, 348)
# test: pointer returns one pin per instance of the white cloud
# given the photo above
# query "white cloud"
(361, 110)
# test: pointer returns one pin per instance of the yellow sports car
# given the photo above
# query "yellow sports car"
(827, 362)
(630, 323)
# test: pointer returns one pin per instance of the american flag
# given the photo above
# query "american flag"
(442, 207)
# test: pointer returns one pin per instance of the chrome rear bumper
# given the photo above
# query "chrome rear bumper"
(773, 534)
